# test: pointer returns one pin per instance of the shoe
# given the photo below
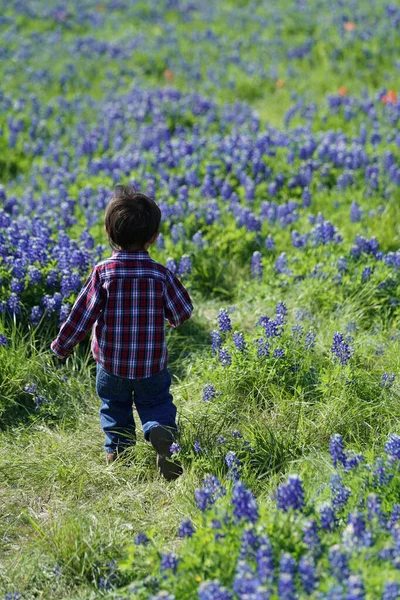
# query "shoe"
(161, 439)
(111, 457)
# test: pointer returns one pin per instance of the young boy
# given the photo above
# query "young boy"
(126, 300)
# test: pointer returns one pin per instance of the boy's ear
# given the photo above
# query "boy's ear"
(155, 236)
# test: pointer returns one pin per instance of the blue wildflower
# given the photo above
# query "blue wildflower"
(239, 341)
(341, 349)
(256, 265)
(244, 504)
(392, 447)
(308, 574)
(209, 392)
(224, 321)
(213, 590)
(169, 561)
(186, 528)
(216, 341)
(336, 448)
(207, 495)
(141, 539)
(291, 494)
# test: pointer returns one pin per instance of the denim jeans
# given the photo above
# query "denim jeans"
(152, 400)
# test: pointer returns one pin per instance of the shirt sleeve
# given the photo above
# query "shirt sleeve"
(177, 303)
(88, 306)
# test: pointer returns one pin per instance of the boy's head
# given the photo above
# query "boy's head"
(132, 220)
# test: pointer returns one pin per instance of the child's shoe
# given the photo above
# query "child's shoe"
(111, 457)
(161, 439)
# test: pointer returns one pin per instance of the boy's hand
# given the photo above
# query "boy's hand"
(58, 362)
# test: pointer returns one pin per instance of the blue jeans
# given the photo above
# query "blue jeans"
(152, 400)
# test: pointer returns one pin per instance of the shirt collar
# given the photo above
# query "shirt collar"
(132, 254)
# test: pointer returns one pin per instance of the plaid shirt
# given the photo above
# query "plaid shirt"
(126, 300)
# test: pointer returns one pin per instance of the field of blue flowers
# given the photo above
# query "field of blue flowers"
(268, 133)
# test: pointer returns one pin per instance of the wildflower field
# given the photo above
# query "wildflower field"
(268, 133)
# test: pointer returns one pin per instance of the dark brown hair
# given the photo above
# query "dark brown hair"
(131, 219)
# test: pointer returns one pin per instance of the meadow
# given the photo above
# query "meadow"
(268, 133)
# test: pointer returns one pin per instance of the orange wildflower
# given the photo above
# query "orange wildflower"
(390, 97)
(280, 83)
(342, 91)
(169, 76)
(349, 26)
(100, 7)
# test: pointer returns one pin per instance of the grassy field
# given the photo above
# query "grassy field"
(268, 134)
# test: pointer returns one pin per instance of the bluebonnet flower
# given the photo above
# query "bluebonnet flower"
(160, 242)
(338, 563)
(39, 400)
(216, 341)
(306, 198)
(387, 380)
(169, 561)
(174, 448)
(297, 331)
(207, 495)
(279, 353)
(382, 476)
(336, 448)
(355, 212)
(265, 560)
(36, 314)
(391, 591)
(352, 461)
(3, 340)
(224, 321)
(336, 592)
(171, 265)
(355, 588)
(311, 537)
(374, 507)
(328, 517)
(281, 264)
(249, 543)
(340, 494)
(221, 439)
(291, 494)
(341, 349)
(17, 286)
(355, 533)
(392, 447)
(262, 347)
(213, 590)
(141, 539)
(309, 341)
(256, 265)
(308, 574)
(14, 305)
(197, 240)
(239, 341)
(185, 266)
(234, 465)
(286, 587)
(394, 517)
(281, 312)
(270, 243)
(186, 528)
(236, 433)
(244, 504)
(271, 328)
(224, 357)
(197, 447)
(366, 274)
(342, 264)
(209, 392)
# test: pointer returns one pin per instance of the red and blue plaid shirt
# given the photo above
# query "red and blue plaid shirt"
(126, 300)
